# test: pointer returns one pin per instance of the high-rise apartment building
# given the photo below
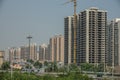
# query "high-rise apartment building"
(48, 57)
(2, 53)
(68, 31)
(57, 48)
(6, 57)
(14, 54)
(33, 52)
(25, 55)
(69, 43)
(24, 52)
(37, 58)
(91, 37)
(43, 53)
(113, 46)
(17, 54)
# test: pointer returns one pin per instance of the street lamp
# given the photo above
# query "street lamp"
(12, 58)
(29, 38)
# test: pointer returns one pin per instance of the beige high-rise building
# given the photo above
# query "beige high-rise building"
(24, 52)
(37, 56)
(14, 54)
(17, 54)
(113, 46)
(25, 55)
(57, 48)
(33, 51)
(2, 53)
(43, 53)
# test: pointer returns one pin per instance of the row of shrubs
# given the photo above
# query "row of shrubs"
(26, 76)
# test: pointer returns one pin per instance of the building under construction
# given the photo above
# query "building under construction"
(90, 37)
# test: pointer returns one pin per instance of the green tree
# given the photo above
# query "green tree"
(73, 67)
(26, 76)
(30, 60)
(46, 63)
(28, 66)
(5, 66)
(53, 67)
(88, 67)
(76, 76)
(48, 66)
(100, 67)
(48, 77)
(37, 64)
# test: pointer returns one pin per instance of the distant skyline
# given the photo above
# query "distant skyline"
(42, 19)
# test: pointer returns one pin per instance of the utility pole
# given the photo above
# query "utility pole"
(12, 58)
(29, 38)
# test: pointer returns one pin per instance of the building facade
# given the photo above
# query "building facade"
(57, 48)
(33, 52)
(92, 36)
(68, 52)
(14, 54)
(43, 53)
(25, 55)
(24, 52)
(114, 43)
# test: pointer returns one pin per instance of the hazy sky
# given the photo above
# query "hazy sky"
(42, 18)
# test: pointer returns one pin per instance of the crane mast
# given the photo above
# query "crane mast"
(74, 31)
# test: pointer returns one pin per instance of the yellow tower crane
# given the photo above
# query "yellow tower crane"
(74, 29)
